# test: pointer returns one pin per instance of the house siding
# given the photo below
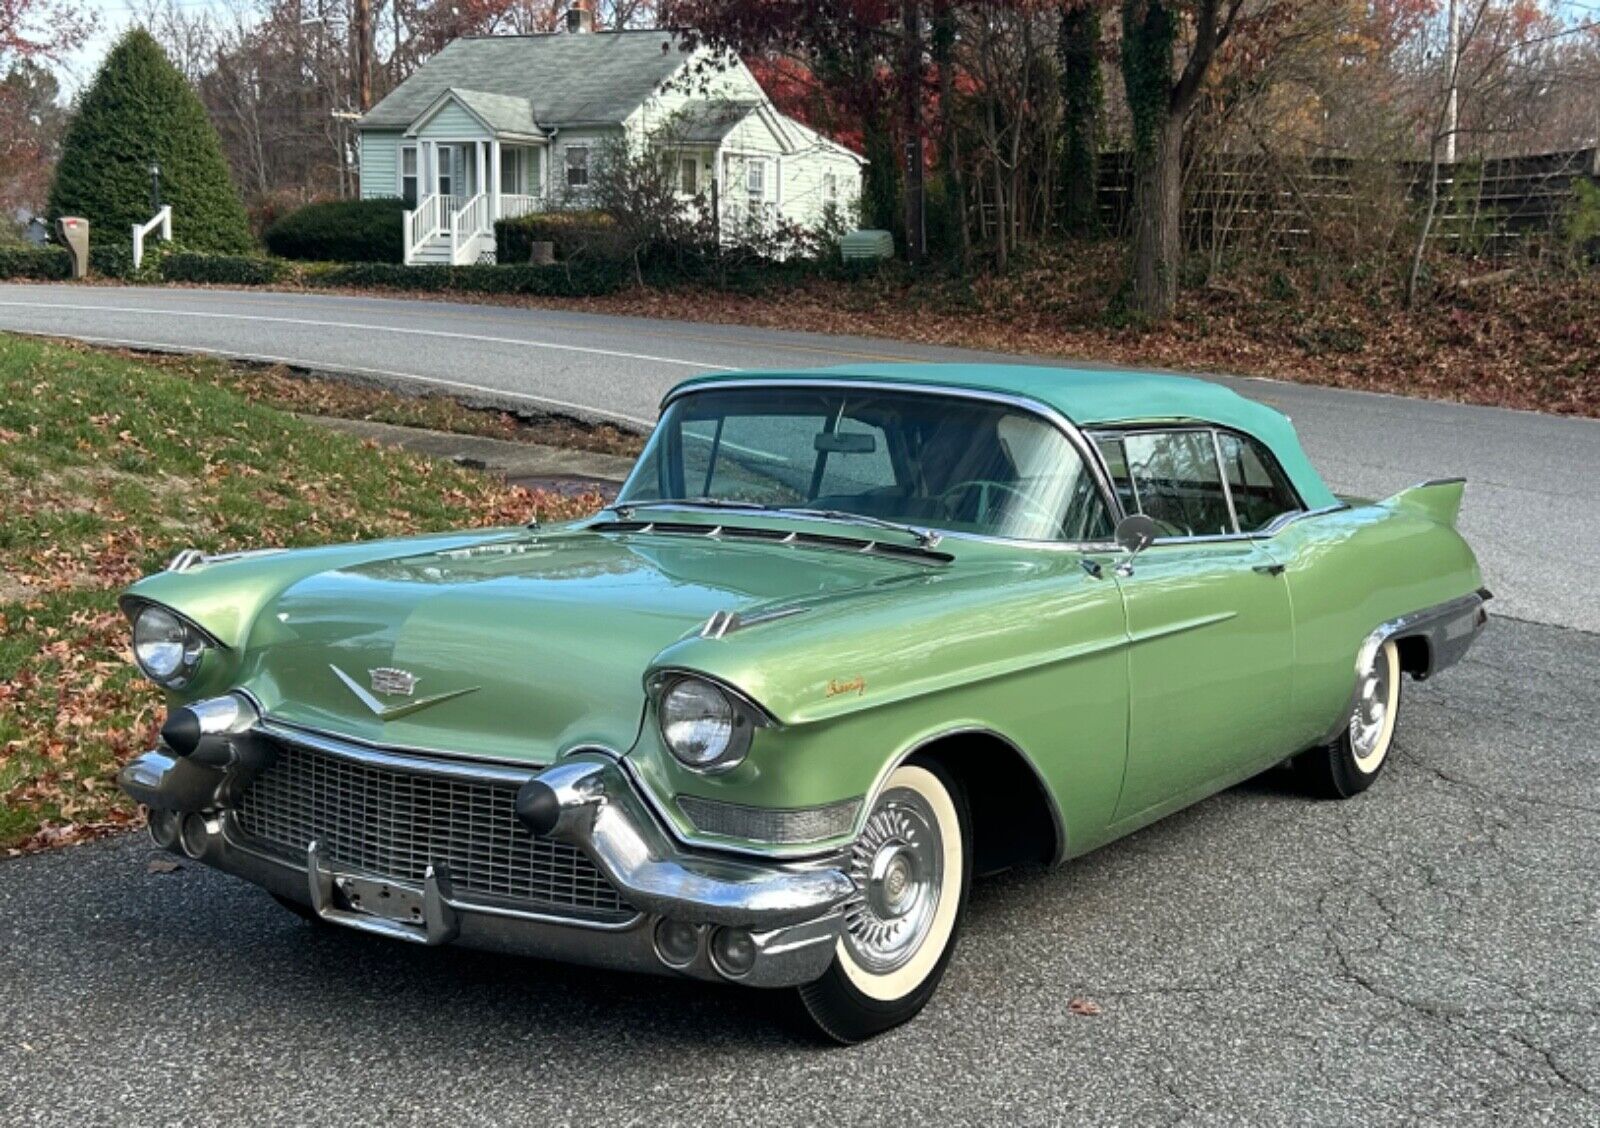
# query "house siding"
(596, 141)
(452, 123)
(380, 154)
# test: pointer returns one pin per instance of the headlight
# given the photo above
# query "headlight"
(702, 725)
(167, 649)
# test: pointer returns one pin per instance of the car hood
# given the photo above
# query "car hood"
(518, 648)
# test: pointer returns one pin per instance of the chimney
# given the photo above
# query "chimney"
(580, 17)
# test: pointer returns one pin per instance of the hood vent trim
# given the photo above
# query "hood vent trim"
(858, 545)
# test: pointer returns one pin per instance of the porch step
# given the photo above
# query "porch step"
(434, 251)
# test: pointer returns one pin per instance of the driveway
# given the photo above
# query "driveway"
(1426, 953)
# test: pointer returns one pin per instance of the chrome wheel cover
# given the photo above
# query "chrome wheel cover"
(1369, 720)
(898, 867)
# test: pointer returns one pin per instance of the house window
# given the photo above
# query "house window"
(755, 180)
(577, 166)
(408, 175)
(511, 171)
(830, 188)
(689, 176)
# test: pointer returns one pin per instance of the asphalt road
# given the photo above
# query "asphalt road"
(1533, 480)
(1426, 953)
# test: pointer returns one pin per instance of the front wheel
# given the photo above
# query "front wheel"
(911, 871)
(1351, 763)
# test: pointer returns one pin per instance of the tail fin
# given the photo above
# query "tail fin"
(1439, 500)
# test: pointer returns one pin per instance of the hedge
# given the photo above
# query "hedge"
(341, 231)
(35, 262)
(139, 109)
(236, 270)
(563, 280)
(576, 234)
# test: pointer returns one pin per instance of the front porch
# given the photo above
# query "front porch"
(463, 187)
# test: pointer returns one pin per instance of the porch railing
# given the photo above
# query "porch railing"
(469, 227)
(514, 207)
(424, 224)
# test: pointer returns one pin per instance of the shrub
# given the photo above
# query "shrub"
(576, 235)
(111, 259)
(140, 110)
(35, 262)
(237, 270)
(578, 279)
(341, 231)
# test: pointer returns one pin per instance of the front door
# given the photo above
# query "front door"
(1211, 643)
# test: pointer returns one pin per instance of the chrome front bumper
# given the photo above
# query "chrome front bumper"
(791, 912)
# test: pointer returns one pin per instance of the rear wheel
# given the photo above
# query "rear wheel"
(1351, 763)
(912, 874)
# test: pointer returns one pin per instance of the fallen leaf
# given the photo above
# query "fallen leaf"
(163, 865)
(1082, 1006)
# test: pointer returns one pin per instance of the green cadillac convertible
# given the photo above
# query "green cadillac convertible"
(845, 640)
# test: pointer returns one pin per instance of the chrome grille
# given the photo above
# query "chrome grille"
(392, 823)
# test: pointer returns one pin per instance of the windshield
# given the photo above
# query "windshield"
(950, 463)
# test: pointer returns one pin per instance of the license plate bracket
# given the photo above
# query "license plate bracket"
(380, 898)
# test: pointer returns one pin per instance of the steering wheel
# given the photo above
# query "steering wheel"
(986, 488)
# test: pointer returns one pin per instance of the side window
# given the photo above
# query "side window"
(1261, 490)
(1173, 478)
(577, 166)
(408, 175)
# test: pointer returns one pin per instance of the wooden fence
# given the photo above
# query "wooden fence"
(1489, 207)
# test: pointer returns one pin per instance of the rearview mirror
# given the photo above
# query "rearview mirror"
(844, 442)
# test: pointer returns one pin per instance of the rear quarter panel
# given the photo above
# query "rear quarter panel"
(1348, 573)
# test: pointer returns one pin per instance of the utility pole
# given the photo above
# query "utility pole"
(363, 48)
(1453, 61)
(916, 225)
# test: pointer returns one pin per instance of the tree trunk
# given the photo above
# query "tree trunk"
(1082, 97)
(1157, 207)
(916, 226)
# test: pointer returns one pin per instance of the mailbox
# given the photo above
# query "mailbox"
(73, 231)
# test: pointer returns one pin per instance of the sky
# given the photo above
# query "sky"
(116, 15)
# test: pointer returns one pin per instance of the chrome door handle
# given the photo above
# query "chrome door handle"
(1273, 569)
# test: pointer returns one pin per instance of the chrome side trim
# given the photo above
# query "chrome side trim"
(1450, 629)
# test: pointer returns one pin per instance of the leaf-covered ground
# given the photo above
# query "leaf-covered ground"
(1526, 342)
(108, 466)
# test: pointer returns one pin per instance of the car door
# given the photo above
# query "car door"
(1211, 645)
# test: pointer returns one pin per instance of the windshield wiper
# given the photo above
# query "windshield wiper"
(625, 508)
(926, 538)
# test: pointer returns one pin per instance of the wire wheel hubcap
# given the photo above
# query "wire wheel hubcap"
(1369, 720)
(898, 867)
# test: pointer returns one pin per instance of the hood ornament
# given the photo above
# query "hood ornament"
(391, 681)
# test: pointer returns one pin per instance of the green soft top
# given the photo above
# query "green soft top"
(1090, 397)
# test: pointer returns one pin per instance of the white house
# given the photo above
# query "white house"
(500, 126)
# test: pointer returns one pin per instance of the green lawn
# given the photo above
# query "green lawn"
(108, 466)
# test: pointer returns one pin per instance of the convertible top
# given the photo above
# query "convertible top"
(1089, 397)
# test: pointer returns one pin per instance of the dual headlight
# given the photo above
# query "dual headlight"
(167, 649)
(705, 727)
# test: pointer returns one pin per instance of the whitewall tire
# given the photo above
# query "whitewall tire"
(912, 870)
(1354, 760)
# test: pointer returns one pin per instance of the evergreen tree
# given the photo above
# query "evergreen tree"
(140, 110)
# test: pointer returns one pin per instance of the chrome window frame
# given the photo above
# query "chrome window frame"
(1271, 529)
(1070, 431)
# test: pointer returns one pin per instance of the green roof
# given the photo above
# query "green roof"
(1092, 397)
